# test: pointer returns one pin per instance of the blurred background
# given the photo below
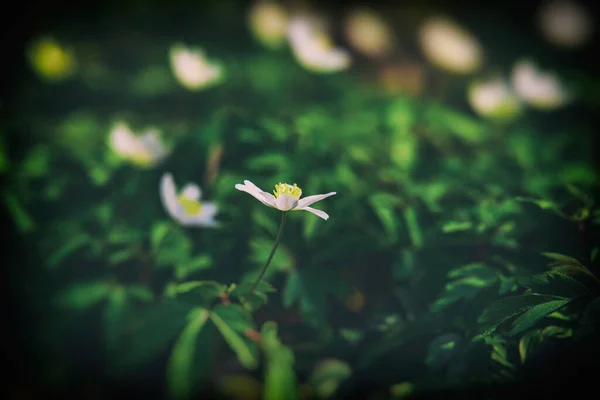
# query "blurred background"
(460, 255)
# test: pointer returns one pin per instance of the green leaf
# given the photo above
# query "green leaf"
(280, 379)
(383, 205)
(556, 284)
(275, 161)
(529, 344)
(327, 376)
(255, 300)
(82, 296)
(37, 162)
(241, 347)
(188, 267)
(115, 308)
(535, 314)
(140, 292)
(461, 125)
(118, 257)
(594, 253)
(456, 226)
(180, 365)
(20, 216)
(468, 281)
(504, 309)
(414, 230)
(68, 248)
(204, 291)
(562, 259)
(442, 349)
(558, 332)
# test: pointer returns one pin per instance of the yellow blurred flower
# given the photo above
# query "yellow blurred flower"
(192, 69)
(144, 150)
(313, 47)
(538, 89)
(448, 46)
(565, 23)
(368, 33)
(50, 60)
(494, 99)
(268, 22)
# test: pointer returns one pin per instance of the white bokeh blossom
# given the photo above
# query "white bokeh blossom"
(313, 47)
(494, 99)
(539, 89)
(192, 69)
(185, 207)
(144, 150)
(285, 198)
(450, 47)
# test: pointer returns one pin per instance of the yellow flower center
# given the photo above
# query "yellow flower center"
(190, 206)
(284, 188)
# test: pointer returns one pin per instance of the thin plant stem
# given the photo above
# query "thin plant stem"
(277, 240)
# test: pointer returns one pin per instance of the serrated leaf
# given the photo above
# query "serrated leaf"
(245, 353)
(468, 281)
(562, 259)
(556, 284)
(504, 309)
(81, 296)
(535, 314)
(180, 365)
(258, 298)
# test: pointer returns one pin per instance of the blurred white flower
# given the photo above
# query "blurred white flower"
(313, 47)
(144, 150)
(450, 47)
(368, 33)
(185, 207)
(268, 22)
(565, 23)
(538, 89)
(286, 197)
(51, 60)
(192, 69)
(494, 99)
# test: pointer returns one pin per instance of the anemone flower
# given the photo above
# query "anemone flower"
(185, 207)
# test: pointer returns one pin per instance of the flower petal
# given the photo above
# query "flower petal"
(266, 198)
(168, 195)
(192, 191)
(318, 213)
(285, 202)
(307, 201)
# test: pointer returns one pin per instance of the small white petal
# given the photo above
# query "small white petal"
(307, 201)
(168, 195)
(208, 210)
(192, 191)
(318, 213)
(285, 202)
(266, 198)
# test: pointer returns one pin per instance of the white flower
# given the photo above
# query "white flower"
(494, 98)
(313, 47)
(285, 198)
(368, 33)
(268, 23)
(186, 207)
(144, 150)
(192, 69)
(539, 89)
(565, 23)
(448, 46)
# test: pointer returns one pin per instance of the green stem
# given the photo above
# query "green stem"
(277, 239)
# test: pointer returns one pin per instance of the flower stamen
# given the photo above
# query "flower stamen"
(190, 206)
(284, 188)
